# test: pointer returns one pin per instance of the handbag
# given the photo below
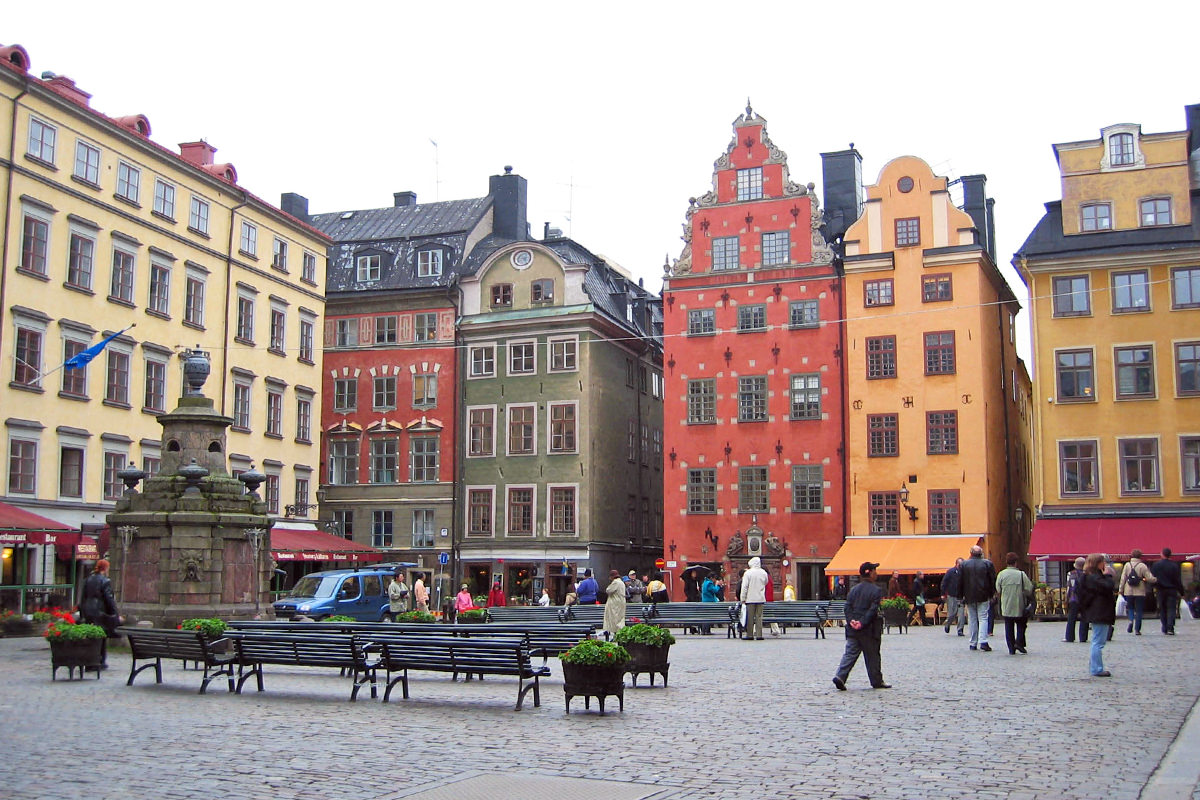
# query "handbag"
(1122, 606)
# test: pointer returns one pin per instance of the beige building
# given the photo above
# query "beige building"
(104, 229)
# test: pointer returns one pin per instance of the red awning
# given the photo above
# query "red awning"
(18, 526)
(309, 544)
(1065, 539)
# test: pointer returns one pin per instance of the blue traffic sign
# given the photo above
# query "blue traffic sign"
(443, 558)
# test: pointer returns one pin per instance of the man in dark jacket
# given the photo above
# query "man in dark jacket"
(1169, 587)
(976, 590)
(951, 582)
(1074, 614)
(99, 607)
(864, 629)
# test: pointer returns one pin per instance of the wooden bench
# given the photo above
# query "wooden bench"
(546, 639)
(347, 652)
(797, 614)
(398, 654)
(154, 644)
(835, 612)
(524, 613)
(690, 615)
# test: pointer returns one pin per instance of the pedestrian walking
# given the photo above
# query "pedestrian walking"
(1168, 588)
(977, 589)
(99, 606)
(1016, 592)
(754, 595)
(864, 629)
(614, 606)
(496, 596)
(918, 592)
(1074, 615)
(463, 600)
(951, 581)
(1097, 601)
(1134, 586)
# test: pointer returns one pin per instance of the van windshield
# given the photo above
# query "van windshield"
(313, 586)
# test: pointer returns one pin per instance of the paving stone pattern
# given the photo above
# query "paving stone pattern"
(740, 720)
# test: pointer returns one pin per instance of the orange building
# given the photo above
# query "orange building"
(1113, 271)
(938, 420)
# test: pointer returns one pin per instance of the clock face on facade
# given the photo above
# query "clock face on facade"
(521, 258)
(905, 184)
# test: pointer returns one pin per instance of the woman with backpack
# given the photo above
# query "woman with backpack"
(1134, 579)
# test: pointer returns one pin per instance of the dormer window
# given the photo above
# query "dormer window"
(429, 263)
(367, 268)
(542, 291)
(502, 295)
(1120, 149)
(1097, 217)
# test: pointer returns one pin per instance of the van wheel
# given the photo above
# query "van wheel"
(386, 618)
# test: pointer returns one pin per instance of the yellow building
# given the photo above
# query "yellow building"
(936, 393)
(104, 229)
(1113, 271)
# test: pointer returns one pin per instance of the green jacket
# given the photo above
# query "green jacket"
(1015, 590)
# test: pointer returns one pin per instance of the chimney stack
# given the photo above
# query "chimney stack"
(841, 185)
(509, 194)
(67, 88)
(294, 204)
(977, 204)
(401, 199)
(198, 153)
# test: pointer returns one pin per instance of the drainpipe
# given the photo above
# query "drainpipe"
(8, 196)
(460, 445)
(228, 294)
(1010, 385)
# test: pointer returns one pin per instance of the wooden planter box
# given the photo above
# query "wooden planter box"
(593, 681)
(648, 658)
(77, 654)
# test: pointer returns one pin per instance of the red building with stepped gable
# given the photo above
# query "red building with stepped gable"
(753, 409)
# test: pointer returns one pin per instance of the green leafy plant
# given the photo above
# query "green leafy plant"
(480, 600)
(339, 618)
(596, 653)
(897, 602)
(209, 626)
(415, 616)
(472, 615)
(641, 633)
(62, 631)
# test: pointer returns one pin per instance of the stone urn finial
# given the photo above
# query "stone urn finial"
(131, 477)
(253, 479)
(196, 367)
(193, 473)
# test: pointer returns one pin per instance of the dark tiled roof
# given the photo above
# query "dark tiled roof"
(403, 222)
(1047, 238)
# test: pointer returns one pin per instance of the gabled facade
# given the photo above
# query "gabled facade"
(102, 228)
(390, 370)
(936, 392)
(754, 405)
(561, 424)
(1114, 273)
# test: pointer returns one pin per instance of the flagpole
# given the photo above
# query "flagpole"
(103, 342)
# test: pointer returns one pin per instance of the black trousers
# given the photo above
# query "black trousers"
(1073, 617)
(866, 643)
(1014, 632)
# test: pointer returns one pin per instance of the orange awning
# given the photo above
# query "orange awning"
(903, 554)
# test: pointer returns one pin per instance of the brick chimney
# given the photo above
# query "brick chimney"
(198, 153)
(67, 88)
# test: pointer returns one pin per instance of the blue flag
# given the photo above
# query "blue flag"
(84, 357)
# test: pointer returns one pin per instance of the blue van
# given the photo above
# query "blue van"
(359, 593)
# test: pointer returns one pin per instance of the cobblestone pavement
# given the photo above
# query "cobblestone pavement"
(740, 720)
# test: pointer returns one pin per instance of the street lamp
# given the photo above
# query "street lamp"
(912, 510)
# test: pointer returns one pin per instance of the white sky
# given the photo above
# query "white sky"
(615, 111)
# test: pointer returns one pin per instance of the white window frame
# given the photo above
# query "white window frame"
(533, 500)
(193, 301)
(471, 352)
(129, 181)
(158, 293)
(429, 263)
(569, 353)
(550, 406)
(368, 268)
(199, 212)
(87, 162)
(550, 487)
(533, 427)
(522, 343)
(279, 254)
(77, 231)
(491, 452)
(164, 198)
(248, 240)
(42, 141)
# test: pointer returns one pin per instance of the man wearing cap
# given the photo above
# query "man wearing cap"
(633, 587)
(1074, 578)
(864, 629)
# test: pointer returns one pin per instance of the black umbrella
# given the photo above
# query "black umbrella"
(697, 568)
